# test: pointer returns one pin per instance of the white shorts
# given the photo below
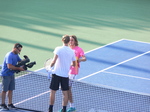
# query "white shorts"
(71, 77)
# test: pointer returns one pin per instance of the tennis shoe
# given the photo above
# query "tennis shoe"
(4, 107)
(71, 109)
(61, 110)
(11, 106)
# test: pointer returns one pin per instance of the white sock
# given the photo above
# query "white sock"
(71, 105)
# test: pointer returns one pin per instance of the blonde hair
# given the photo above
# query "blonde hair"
(66, 39)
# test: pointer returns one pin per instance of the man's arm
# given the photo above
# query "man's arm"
(73, 63)
(83, 58)
(54, 60)
(12, 67)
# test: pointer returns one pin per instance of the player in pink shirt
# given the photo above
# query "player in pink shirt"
(80, 56)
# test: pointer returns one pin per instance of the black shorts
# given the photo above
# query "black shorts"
(57, 80)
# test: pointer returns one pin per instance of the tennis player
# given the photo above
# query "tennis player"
(80, 56)
(63, 57)
(7, 74)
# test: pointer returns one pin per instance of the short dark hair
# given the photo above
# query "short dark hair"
(66, 39)
(17, 45)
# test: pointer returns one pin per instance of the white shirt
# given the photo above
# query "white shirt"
(65, 57)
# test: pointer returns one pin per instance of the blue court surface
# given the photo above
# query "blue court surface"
(122, 65)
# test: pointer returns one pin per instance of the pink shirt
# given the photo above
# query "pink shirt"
(78, 53)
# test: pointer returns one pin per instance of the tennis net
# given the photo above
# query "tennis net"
(32, 93)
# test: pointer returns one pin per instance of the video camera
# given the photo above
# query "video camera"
(25, 63)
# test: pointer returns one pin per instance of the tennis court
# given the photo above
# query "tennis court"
(115, 78)
(39, 25)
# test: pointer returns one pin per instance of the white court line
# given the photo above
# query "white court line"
(114, 65)
(137, 41)
(126, 75)
(104, 46)
(31, 98)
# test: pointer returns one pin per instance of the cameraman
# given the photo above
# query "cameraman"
(7, 74)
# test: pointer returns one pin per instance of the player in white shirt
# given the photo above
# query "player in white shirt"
(64, 56)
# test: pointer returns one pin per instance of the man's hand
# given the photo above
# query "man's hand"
(21, 68)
